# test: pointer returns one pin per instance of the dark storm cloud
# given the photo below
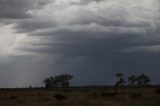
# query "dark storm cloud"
(107, 41)
(101, 60)
(101, 56)
(113, 17)
(82, 45)
(14, 8)
(17, 9)
(29, 25)
(89, 38)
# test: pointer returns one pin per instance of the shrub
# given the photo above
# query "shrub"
(94, 94)
(108, 94)
(60, 96)
(13, 97)
(157, 90)
(136, 95)
(84, 91)
(67, 90)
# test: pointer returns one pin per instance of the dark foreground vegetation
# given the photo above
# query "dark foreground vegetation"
(81, 96)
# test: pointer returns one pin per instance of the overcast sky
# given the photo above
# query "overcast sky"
(90, 39)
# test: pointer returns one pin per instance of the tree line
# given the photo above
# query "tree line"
(58, 81)
(64, 80)
(133, 80)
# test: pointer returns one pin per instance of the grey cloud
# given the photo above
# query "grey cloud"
(117, 18)
(14, 8)
(82, 45)
(91, 42)
(17, 9)
(32, 24)
(87, 43)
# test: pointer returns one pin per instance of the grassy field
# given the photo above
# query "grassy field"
(85, 96)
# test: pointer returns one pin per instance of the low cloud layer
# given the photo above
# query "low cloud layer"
(95, 38)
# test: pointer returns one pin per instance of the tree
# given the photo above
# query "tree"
(132, 80)
(48, 82)
(119, 75)
(120, 81)
(143, 80)
(64, 80)
(61, 80)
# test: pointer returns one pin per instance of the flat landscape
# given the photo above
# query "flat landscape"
(81, 96)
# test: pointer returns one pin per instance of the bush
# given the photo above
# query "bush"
(60, 96)
(67, 90)
(108, 94)
(84, 91)
(94, 94)
(136, 95)
(13, 97)
(157, 90)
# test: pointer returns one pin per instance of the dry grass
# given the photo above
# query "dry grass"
(80, 97)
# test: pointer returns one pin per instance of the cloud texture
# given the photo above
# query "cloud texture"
(93, 38)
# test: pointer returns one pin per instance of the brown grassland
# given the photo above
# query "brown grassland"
(80, 96)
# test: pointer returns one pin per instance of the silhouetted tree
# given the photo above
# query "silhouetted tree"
(119, 75)
(120, 81)
(48, 82)
(143, 80)
(61, 80)
(132, 80)
(64, 80)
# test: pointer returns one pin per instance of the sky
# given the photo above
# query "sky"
(90, 39)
